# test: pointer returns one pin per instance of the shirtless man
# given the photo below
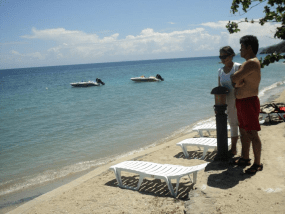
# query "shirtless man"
(246, 81)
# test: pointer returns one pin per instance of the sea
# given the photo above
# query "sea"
(51, 133)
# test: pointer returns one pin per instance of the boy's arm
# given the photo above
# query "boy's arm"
(248, 68)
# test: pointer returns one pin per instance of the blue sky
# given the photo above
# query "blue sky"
(45, 33)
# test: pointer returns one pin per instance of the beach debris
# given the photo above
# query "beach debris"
(271, 190)
(204, 186)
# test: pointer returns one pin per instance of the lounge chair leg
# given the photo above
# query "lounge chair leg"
(177, 186)
(184, 149)
(190, 178)
(169, 184)
(118, 177)
(140, 182)
(194, 177)
(120, 183)
(205, 151)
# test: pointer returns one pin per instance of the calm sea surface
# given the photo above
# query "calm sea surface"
(50, 130)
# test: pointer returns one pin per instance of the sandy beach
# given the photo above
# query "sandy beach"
(220, 188)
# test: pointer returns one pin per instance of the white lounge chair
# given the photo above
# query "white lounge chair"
(207, 143)
(207, 127)
(155, 170)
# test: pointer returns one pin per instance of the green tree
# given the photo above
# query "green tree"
(274, 12)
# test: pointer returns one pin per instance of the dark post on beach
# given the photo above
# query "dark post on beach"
(221, 122)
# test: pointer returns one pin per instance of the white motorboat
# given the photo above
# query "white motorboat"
(147, 79)
(87, 84)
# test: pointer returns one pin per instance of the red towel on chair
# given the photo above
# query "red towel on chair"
(282, 109)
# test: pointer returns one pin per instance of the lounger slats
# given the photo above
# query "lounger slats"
(206, 143)
(154, 170)
(207, 127)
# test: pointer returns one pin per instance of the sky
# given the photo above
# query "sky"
(35, 33)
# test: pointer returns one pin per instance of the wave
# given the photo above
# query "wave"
(47, 176)
(268, 88)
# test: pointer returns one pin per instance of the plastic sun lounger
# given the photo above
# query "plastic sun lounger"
(207, 143)
(159, 171)
(208, 128)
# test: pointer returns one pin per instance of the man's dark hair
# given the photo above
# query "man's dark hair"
(250, 40)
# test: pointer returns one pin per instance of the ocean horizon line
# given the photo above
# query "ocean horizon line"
(96, 63)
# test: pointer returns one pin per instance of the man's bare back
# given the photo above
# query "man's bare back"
(247, 79)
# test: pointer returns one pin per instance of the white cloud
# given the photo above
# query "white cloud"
(216, 25)
(247, 27)
(37, 55)
(265, 33)
(80, 47)
(62, 35)
(83, 45)
(15, 52)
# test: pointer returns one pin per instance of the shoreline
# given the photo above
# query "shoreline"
(96, 172)
(102, 171)
(21, 197)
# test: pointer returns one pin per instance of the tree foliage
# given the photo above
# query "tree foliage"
(274, 12)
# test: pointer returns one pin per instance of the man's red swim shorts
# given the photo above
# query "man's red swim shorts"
(248, 113)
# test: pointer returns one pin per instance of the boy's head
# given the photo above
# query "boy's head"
(250, 40)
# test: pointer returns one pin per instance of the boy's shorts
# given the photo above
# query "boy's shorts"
(248, 113)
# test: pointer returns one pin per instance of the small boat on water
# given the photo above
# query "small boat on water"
(147, 79)
(87, 84)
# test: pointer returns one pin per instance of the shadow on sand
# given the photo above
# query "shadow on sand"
(227, 176)
(223, 175)
(155, 187)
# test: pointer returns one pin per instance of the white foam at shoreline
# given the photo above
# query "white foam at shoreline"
(47, 176)
(50, 176)
(266, 89)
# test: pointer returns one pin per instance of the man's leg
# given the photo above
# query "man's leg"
(256, 145)
(234, 145)
(245, 143)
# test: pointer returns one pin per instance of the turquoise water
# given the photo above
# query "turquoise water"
(50, 130)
